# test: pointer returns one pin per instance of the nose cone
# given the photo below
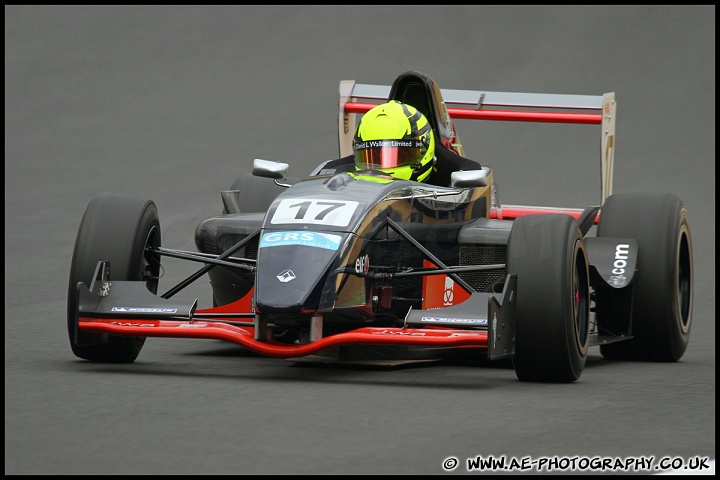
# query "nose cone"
(292, 268)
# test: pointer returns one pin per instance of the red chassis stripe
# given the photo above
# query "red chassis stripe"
(509, 212)
(244, 336)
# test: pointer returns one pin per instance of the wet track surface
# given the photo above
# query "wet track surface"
(173, 103)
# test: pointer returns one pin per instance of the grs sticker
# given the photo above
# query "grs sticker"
(328, 241)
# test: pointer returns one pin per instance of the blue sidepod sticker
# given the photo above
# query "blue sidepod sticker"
(327, 241)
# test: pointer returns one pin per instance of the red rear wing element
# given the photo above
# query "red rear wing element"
(358, 98)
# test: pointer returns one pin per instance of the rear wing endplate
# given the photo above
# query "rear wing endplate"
(358, 98)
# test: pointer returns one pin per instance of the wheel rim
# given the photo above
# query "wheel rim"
(684, 281)
(580, 299)
(150, 261)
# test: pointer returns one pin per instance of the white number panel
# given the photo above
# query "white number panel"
(321, 212)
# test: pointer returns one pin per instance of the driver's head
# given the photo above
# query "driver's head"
(397, 139)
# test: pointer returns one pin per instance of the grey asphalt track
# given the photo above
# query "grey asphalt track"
(174, 102)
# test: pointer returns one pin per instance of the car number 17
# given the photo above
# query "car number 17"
(322, 212)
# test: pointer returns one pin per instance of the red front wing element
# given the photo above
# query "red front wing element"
(244, 335)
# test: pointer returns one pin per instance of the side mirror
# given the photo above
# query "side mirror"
(268, 169)
(469, 178)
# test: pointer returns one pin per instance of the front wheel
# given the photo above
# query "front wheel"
(121, 230)
(547, 253)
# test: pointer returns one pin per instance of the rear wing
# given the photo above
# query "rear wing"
(358, 98)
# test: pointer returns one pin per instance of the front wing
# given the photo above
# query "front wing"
(127, 308)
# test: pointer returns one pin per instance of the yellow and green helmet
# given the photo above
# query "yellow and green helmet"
(397, 139)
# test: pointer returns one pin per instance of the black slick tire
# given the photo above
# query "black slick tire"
(547, 253)
(663, 283)
(118, 229)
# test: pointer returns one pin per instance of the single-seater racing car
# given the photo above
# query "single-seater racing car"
(346, 264)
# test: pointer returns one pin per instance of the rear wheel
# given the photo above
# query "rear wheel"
(663, 283)
(118, 229)
(547, 253)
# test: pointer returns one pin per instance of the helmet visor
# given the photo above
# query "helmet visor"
(376, 154)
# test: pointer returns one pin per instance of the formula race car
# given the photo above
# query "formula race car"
(350, 265)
